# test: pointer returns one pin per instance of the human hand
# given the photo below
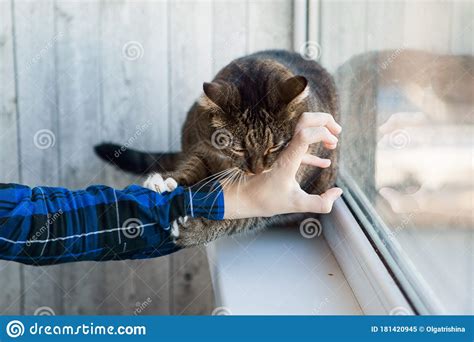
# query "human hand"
(277, 191)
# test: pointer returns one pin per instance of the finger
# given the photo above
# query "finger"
(330, 146)
(318, 119)
(309, 159)
(290, 159)
(323, 203)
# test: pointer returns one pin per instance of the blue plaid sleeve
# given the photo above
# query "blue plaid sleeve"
(50, 225)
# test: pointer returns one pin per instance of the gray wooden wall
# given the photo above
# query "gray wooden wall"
(63, 68)
(368, 25)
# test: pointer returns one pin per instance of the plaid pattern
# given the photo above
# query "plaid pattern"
(48, 225)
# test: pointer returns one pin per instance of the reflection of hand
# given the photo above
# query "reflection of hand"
(399, 202)
(277, 191)
(401, 120)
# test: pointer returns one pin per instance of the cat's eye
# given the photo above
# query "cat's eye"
(275, 148)
(238, 151)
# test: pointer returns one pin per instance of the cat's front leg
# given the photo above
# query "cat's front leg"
(190, 172)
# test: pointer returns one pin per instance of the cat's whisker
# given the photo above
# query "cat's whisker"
(232, 177)
(214, 177)
(240, 180)
(217, 178)
(217, 174)
(227, 181)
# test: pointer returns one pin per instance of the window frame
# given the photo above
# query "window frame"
(356, 233)
(362, 266)
(403, 272)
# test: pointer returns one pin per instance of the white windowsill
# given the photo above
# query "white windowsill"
(278, 272)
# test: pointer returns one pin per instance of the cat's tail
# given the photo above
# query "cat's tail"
(136, 161)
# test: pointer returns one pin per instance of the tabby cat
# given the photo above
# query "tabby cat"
(244, 119)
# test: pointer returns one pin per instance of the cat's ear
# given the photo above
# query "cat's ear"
(294, 88)
(216, 93)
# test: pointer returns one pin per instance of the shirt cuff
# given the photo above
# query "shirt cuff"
(205, 201)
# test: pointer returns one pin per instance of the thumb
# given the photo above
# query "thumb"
(323, 203)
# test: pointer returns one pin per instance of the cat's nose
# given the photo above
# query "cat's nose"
(257, 168)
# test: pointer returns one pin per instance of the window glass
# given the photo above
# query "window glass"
(405, 74)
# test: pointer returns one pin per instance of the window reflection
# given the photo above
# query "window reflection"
(407, 146)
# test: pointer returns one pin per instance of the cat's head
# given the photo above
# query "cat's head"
(252, 126)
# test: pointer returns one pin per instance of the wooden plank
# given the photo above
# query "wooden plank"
(190, 31)
(134, 65)
(38, 124)
(270, 25)
(462, 27)
(427, 25)
(313, 21)
(9, 167)
(345, 36)
(78, 93)
(10, 280)
(303, 24)
(383, 25)
(229, 33)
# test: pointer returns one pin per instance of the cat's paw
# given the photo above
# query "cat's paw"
(175, 225)
(156, 182)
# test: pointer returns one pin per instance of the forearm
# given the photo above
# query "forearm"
(43, 225)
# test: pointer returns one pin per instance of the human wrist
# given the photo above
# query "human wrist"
(238, 203)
